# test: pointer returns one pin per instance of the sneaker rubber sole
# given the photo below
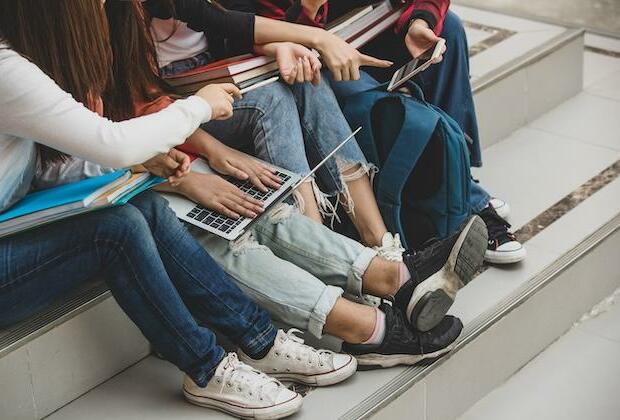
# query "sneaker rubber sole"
(431, 299)
(505, 257)
(375, 360)
(323, 379)
(278, 411)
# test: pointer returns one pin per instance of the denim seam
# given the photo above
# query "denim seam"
(41, 266)
(145, 295)
(248, 325)
(359, 267)
(316, 321)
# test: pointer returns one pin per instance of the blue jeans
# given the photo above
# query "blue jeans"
(159, 275)
(187, 64)
(293, 127)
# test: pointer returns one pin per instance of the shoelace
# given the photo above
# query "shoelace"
(496, 225)
(392, 249)
(293, 346)
(241, 376)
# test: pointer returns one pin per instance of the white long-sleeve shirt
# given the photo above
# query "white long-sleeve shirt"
(34, 107)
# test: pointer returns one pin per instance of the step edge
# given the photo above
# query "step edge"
(46, 321)
(526, 60)
(540, 19)
(413, 375)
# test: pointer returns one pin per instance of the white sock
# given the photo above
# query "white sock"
(403, 275)
(378, 334)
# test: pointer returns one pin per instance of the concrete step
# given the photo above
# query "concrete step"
(80, 343)
(520, 69)
(574, 378)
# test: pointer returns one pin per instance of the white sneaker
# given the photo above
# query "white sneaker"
(291, 360)
(501, 207)
(242, 391)
(391, 248)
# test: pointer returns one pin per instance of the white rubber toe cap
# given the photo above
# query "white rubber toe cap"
(508, 253)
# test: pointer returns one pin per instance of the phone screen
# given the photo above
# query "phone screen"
(415, 66)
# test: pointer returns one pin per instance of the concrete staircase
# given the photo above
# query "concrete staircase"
(551, 149)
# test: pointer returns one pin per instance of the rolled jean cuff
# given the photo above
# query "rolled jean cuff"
(359, 267)
(321, 310)
(203, 374)
(480, 201)
(259, 342)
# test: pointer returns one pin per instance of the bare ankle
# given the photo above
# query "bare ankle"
(382, 278)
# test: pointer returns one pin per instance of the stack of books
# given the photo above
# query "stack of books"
(357, 27)
(46, 206)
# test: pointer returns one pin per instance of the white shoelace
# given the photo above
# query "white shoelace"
(291, 345)
(391, 248)
(244, 377)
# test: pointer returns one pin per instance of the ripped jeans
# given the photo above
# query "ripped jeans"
(295, 127)
(292, 266)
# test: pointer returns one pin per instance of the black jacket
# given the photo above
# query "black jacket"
(228, 32)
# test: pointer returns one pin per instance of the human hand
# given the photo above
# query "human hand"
(296, 63)
(215, 193)
(343, 60)
(420, 38)
(173, 166)
(220, 96)
(229, 161)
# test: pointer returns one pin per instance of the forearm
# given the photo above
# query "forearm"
(270, 30)
(199, 143)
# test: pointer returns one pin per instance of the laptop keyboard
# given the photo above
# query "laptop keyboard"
(225, 224)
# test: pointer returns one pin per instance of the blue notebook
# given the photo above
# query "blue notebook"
(57, 203)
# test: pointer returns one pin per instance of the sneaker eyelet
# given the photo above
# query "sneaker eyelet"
(288, 356)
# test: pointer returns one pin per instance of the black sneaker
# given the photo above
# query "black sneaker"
(438, 271)
(402, 345)
(502, 246)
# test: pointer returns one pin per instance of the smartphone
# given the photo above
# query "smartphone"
(416, 66)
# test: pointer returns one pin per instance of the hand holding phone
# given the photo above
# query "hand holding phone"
(417, 65)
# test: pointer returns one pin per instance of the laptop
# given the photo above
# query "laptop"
(227, 227)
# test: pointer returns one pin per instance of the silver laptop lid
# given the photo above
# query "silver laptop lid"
(329, 156)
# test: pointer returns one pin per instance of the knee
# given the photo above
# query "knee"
(275, 99)
(154, 208)
(453, 29)
(123, 225)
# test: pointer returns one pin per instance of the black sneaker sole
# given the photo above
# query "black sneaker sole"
(380, 361)
(432, 298)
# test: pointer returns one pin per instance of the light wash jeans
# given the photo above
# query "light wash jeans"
(292, 266)
(293, 127)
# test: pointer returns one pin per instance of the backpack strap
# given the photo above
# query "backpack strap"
(408, 146)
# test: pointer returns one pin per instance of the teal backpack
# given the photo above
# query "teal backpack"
(423, 184)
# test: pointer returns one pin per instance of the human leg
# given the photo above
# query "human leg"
(209, 292)
(348, 175)
(266, 123)
(434, 274)
(447, 84)
(45, 263)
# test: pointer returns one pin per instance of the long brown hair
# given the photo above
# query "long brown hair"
(67, 39)
(135, 70)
